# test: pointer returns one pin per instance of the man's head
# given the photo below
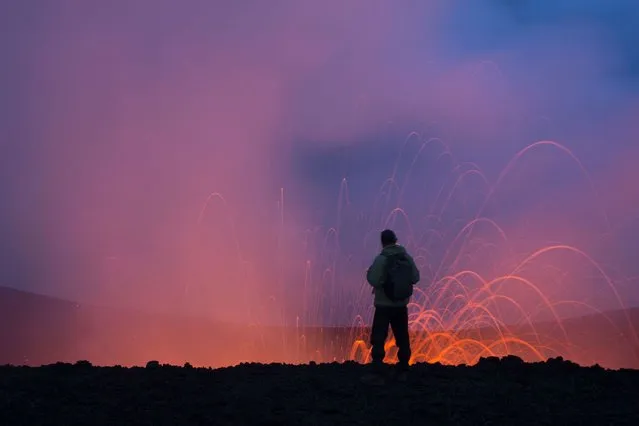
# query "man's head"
(388, 238)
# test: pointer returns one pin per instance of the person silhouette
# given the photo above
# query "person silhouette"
(393, 265)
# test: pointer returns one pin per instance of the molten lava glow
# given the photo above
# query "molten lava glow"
(478, 297)
(453, 324)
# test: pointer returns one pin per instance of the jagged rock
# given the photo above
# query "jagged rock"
(152, 364)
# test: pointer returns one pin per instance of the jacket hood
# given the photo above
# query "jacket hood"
(394, 249)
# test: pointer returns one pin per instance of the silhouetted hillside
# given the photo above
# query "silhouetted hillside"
(40, 330)
(30, 323)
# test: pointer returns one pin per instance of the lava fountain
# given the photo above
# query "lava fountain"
(488, 288)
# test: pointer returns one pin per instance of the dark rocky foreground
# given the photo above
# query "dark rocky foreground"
(506, 392)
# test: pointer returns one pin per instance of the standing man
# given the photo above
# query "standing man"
(392, 276)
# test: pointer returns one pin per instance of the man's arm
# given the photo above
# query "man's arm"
(416, 274)
(375, 273)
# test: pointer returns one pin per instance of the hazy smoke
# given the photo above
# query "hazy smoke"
(120, 118)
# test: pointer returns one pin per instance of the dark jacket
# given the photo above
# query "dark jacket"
(375, 275)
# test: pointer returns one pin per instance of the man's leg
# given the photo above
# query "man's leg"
(399, 325)
(379, 333)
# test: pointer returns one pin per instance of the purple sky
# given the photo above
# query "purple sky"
(119, 118)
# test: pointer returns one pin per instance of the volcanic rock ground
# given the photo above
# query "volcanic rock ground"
(505, 392)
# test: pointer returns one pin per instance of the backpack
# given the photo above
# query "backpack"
(398, 277)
